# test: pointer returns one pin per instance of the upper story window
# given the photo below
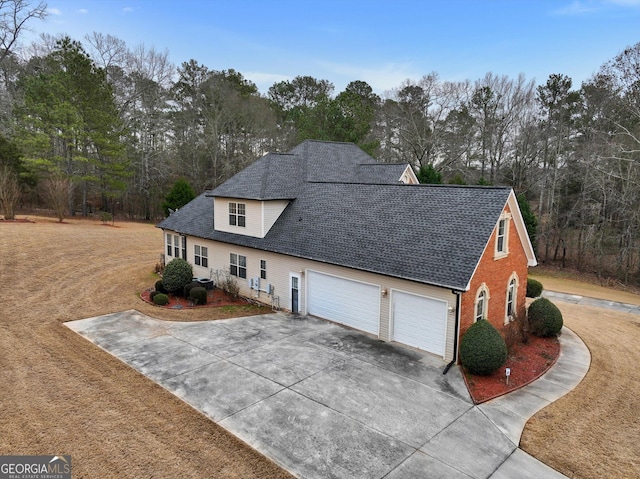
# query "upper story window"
(201, 256)
(502, 236)
(238, 214)
(169, 245)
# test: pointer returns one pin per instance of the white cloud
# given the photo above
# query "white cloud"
(265, 80)
(54, 11)
(83, 11)
(127, 10)
(381, 79)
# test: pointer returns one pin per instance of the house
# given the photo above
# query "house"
(326, 230)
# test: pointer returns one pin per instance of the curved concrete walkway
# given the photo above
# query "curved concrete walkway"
(326, 401)
(587, 301)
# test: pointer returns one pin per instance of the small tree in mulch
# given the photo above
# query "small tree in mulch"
(482, 348)
(177, 274)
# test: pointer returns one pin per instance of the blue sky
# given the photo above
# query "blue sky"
(380, 42)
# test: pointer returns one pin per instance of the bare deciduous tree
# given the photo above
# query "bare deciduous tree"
(56, 191)
(14, 15)
(10, 191)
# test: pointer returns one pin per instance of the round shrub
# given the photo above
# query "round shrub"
(159, 287)
(189, 287)
(177, 274)
(534, 288)
(545, 319)
(153, 294)
(482, 348)
(198, 295)
(161, 299)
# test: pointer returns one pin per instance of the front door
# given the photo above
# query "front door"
(295, 293)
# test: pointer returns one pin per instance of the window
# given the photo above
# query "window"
(169, 246)
(237, 214)
(502, 236)
(500, 246)
(184, 247)
(263, 269)
(512, 296)
(238, 265)
(482, 303)
(176, 246)
(201, 256)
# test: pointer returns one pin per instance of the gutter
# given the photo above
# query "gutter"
(457, 328)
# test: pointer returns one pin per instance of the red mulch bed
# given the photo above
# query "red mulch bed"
(217, 297)
(527, 362)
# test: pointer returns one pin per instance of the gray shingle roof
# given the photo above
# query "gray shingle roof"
(433, 234)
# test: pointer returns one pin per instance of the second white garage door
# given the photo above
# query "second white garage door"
(344, 301)
(419, 321)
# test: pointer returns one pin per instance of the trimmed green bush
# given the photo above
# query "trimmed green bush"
(189, 287)
(153, 294)
(198, 295)
(177, 274)
(482, 348)
(159, 287)
(534, 288)
(545, 319)
(161, 299)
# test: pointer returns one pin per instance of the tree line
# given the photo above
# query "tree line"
(96, 125)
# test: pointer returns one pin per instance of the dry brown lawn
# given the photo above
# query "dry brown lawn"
(594, 431)
(62, 395)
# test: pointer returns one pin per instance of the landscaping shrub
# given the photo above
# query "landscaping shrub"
(545, 319)
(198, 295)
(189, 287)
(159, 287)
(177, 274)
(153, 294)
(161, 299)
(227, 283)
(482, 348)
(534, 288)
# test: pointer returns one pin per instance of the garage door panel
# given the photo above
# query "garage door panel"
(344, 301)
(420, 322)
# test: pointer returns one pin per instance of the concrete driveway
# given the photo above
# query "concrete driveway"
(326, 401)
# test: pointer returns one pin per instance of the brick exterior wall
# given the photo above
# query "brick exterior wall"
(496, 273)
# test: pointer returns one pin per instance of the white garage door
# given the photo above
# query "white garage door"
(344, 301)
(420, 322)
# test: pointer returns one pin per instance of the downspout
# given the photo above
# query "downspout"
(455, 338)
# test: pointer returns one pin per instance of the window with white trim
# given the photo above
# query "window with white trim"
(482, 303)
(238, 214)
(201, 256)
(512, 298)
(502, 236)
(169, 245)
(176, 246)
(263, 269)
(238, 265)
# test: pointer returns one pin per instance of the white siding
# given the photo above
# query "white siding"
(260, 215)
(280, 266)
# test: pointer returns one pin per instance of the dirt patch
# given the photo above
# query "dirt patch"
(526, 362)
(62, 394)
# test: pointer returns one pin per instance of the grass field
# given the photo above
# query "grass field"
(63, 395)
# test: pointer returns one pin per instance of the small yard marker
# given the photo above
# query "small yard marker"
(507, 372)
